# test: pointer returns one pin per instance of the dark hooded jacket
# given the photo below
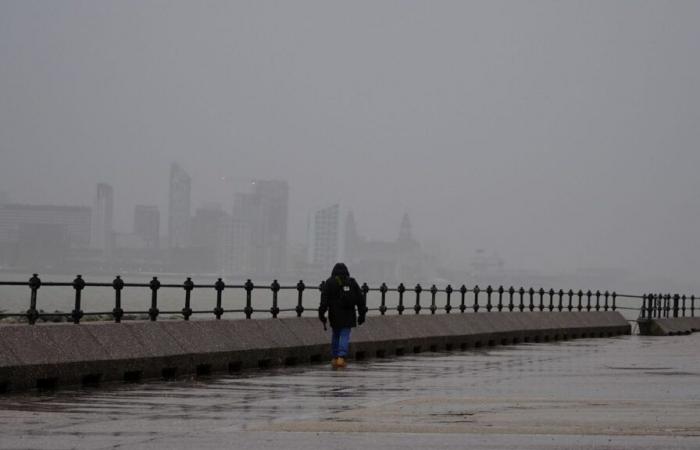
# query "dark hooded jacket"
(342, 297)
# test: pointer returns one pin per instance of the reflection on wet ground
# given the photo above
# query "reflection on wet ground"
(628, 391)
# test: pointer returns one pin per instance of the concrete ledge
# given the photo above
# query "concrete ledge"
(52, 355)
(668, 326)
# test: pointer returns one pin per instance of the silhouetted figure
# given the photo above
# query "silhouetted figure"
(342, 298)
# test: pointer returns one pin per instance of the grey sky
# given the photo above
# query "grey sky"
(559, 134)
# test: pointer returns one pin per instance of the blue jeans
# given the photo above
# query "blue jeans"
(340, 342)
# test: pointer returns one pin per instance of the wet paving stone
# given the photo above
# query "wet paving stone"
(624, 392)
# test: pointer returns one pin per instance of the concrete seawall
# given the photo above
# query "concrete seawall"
(668, 326)
(51, 355)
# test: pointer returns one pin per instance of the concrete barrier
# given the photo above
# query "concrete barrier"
(668, 326)
(52, 355)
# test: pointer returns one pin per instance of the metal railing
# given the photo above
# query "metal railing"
(667, 305)
(496, 299)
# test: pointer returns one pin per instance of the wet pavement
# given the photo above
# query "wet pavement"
(626, 392)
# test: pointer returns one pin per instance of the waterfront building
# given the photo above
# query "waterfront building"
(102, 231)
(42, 235)
(377, 261)
(210, 225)
(179, 207)
(147, 225)
(259, 230)
(324, 237)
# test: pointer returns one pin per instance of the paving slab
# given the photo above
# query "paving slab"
(610, 393)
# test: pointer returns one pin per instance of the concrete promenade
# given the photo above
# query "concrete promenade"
(611, 393)
(56, 355)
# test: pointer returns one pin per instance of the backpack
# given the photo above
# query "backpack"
(345, 295)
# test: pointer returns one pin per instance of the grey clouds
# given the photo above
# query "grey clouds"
(561, 135)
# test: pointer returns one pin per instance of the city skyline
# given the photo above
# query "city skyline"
(558, 135)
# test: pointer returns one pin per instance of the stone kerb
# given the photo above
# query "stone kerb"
(669, 326)
(49, 355)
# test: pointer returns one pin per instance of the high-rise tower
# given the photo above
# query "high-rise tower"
(179, 208)
(102, 231)
(147, 224)
(260, 229)
(324, 236)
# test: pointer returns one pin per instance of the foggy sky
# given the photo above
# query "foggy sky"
(559, 134)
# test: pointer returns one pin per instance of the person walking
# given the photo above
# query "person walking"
(342, 298)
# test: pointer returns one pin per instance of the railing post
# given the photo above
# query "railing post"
(650, 305)
(551, 300)
(476, 291)
(511, 291)
(462, 304)
(531, 293)
(218, 310)
(78, 285)
(382, 306)
(664, 305)
(666, 308)
(521, 306)
(300, 305)
(418, 289)
(433, 292)
(541, 292)
(365, 290)
(400, 289)
(560, 305)
(642, 312)
(248, 309)
(448, 294)
(683, 305)
(153, 311)
(489, 291)
(188, 286)
(597, 300)
(692, 305)
(34, 285)
(667, 305)
(655, 309)
(588, 300)
(614, 305)
(607, 294)
(676, 298)
(580, 297)
(275, 288)
(500, 298)
(571, 296)
(118, 312)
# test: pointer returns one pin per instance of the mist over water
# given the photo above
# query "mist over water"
(534, 143)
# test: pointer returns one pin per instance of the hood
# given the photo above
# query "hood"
(340, 270)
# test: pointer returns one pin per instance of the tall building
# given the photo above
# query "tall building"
(102, 228)
(41, 235)
(399, 260)
(210, 246)
(243, 221)
(206, 226)
(351, 239)
(324, 247)
(147, 224)
(179, 208)
(259, 229)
